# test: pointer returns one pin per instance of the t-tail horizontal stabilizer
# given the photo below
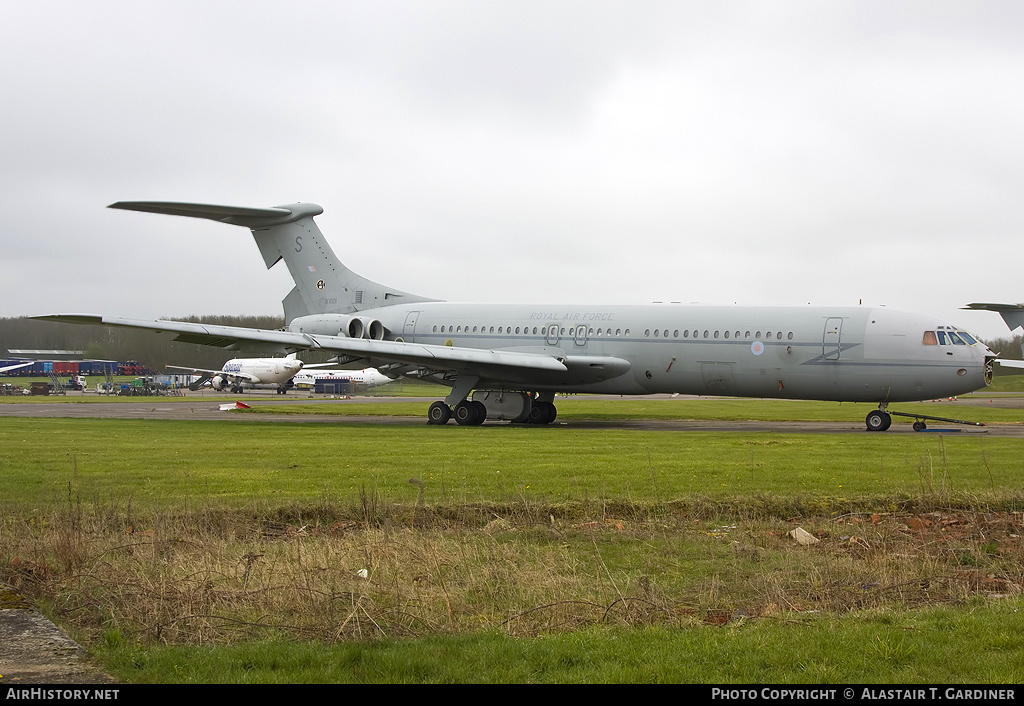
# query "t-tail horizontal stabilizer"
(323, 285)
(234, 215)
(1013, 314)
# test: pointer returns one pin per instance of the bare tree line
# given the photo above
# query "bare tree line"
(106, 343)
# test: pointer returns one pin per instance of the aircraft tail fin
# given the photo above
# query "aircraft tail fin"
(1013, 314)
(323, 285)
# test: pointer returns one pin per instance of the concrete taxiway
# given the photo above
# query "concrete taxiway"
(208, 408)
(35, 651)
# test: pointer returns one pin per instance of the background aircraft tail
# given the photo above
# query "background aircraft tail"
(1013, 314)
(322, 284)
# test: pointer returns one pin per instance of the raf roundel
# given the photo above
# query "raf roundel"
(320, 284)
(757, 348)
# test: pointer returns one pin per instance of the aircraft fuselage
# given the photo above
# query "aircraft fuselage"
(855, 354)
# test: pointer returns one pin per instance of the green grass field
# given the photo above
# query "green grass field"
(973, 644)
(163, 463)
(231, 551)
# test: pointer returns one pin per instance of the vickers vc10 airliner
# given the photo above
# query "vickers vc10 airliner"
(507, 362)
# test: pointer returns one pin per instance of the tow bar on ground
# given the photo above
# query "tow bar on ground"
(919, 424)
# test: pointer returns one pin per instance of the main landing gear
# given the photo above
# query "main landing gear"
(439, 413)
(470, 414)
(518, 408)
(467, 413)
(541, 412)
(880, 420)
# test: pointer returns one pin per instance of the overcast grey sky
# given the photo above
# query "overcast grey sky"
(608, 152)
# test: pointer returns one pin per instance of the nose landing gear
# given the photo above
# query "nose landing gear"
(880, 420)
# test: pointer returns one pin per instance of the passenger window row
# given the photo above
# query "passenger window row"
(572, 331)
(707, 333)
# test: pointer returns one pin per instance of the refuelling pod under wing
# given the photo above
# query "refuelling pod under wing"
(505, 405)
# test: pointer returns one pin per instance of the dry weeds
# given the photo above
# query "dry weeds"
(324, 572)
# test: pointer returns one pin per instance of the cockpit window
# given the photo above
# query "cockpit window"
(948, 338)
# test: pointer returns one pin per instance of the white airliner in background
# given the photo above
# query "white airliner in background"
(239, 373)
(507, 361)
(367, 378)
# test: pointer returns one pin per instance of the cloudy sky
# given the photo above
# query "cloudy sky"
(558, 151)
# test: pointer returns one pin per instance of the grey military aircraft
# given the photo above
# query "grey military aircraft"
(507, 362)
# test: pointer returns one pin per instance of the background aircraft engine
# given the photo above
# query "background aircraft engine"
(218, 383)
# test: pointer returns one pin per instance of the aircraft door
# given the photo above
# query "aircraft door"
(718, 378)
(409, 331)
(831, 344)
(581, 335)
(552, 335)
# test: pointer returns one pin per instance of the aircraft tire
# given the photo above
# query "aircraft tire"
(540, 413)
(439, 413)
(877, 420)
(481, 411)
(920, 426)
(467, 414)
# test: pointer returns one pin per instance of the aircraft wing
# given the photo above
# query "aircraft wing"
(1010, 363)
(486, 364)
(222, 373)
(204, 334)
